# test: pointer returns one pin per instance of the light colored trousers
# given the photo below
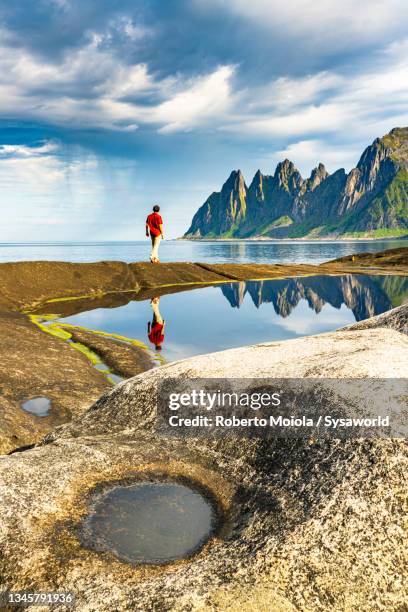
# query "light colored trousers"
(156, 312)
(155, 247)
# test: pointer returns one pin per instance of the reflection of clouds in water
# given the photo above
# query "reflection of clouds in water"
(302, 321)
(174, 351)
(91, 318)
(114, 319)
(207, 319)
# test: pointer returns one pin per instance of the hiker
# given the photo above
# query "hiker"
(154, 225)
(155, 329)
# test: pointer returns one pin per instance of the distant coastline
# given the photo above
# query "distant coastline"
(305, 239)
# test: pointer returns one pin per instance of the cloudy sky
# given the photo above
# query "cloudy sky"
(107, 107)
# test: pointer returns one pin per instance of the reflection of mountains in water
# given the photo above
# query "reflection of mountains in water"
(365, 296)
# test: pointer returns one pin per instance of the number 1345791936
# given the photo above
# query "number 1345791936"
(27, 598)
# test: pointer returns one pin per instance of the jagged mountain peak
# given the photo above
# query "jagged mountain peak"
(317, 176)
(393, 145)
(257, 180)
(375, 169)
(373, 154)
(372, 196)
(285, 167)
(235, 174)
(256, 189)
(235, 181)
(320, 169)
(288, 176)
(399, 132)
(397, 142)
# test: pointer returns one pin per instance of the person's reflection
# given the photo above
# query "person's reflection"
(155, 329)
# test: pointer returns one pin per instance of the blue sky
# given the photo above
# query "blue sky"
(107, 107)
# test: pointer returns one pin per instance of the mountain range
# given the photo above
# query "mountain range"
(370, 201)
(365, 296)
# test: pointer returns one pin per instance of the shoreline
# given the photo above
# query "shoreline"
(34, 295)
(182, 239)
(289, 240)
(26, 286)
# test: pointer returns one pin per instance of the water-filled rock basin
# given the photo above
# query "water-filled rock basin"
(40, 406)
(149, 522)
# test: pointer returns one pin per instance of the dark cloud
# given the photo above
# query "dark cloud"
(51, 27)
(171, 37)
(167, 96)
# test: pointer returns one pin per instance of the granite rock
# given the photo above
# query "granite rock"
(305, 524)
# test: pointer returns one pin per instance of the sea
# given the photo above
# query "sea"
(207, 319)
(217, 251)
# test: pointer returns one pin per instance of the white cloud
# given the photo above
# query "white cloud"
(306, 154)
(303, 322)
(285, 93)
(49, 195)
(30, 175)
(8, 150)
(359, 107)
(330, 25)
(84, 88)
(206, 98)
(92, 87)
(327, 117)
(36, 169)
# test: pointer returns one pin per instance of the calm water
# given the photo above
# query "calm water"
(180, 250)
(236, 314)
(149, 522)
(40, 406)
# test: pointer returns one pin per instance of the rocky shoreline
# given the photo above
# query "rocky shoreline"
(29, 289)
(30, 286)
(307, 524)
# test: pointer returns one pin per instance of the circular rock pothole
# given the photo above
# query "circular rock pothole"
(40, 406)
(149, 522)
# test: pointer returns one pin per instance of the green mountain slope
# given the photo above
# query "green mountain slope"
(372, 200)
